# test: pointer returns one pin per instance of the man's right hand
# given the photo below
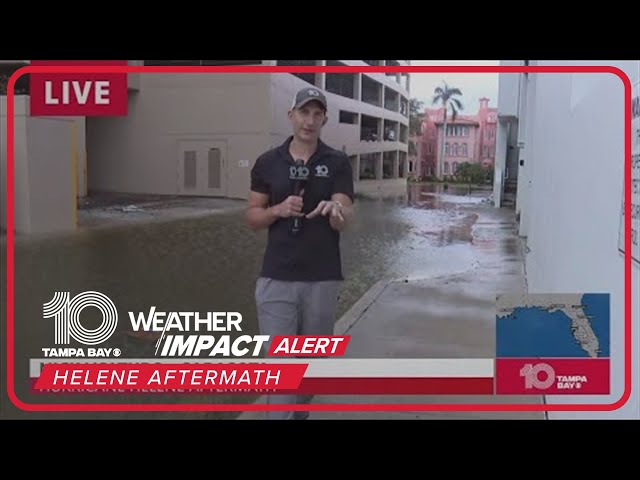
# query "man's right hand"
(290, 207)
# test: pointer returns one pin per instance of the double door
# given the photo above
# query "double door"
(202, 167)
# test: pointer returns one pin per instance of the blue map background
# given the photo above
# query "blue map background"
(536, 332)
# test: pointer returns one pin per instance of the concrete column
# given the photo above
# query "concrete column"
(133, 79)
(45, 171)
(404, 161)
(80, 155)
(396, 163)
(379, 166)
(355, 167)
(20, 165)
(321, 77)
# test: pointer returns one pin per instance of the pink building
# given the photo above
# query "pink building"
(471, 138)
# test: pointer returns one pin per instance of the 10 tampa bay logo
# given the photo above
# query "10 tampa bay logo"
(66, 312)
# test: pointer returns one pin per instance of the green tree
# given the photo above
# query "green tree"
(472, 173)
(445, 97)
(463, 172)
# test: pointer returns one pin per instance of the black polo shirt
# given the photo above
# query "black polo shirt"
(314, 255)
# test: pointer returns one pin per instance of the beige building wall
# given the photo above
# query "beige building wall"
(47, 169)
(172, 114)
(184, 134)
(175, 119)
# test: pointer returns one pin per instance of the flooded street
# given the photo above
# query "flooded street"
(211, 263)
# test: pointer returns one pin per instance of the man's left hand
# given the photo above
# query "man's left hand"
(328, 207)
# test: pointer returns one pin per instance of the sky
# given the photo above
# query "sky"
(472, 85)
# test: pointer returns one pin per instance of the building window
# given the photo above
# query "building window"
(371, 91)
(348, 117)
(342, 84)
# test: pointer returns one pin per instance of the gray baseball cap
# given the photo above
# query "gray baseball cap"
(308, 94)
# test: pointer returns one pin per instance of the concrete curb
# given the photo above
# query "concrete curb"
(351, 316)
(342, 326)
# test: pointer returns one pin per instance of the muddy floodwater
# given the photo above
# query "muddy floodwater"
(208, 264)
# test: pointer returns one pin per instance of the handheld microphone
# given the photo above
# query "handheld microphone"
(299, 174)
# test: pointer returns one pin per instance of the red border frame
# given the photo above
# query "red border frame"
(318, 407)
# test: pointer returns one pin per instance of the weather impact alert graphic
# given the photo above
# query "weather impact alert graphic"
(196, 352)
(80, 361)
(545, 344)
(553, 344)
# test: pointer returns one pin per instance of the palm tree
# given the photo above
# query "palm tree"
(445, 96)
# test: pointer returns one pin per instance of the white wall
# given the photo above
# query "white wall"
(526, 147)
(508, 90)
(574, 157)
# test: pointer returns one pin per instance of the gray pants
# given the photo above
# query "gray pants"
(295, 308)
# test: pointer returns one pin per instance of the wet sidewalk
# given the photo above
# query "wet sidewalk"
(446, 314)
